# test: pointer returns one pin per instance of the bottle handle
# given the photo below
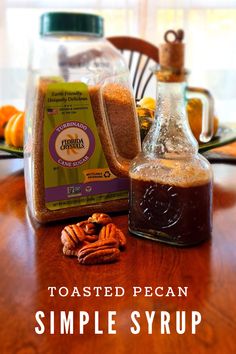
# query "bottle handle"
(207, 111)
(119, 165)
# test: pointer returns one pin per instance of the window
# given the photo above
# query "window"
(210, 28)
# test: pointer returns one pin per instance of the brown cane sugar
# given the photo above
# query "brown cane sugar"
(118, 108)
(118, 103)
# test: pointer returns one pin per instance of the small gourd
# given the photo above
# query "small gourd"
(14, 130)
(6, 112)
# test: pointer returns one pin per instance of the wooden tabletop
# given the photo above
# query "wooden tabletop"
(31, 261)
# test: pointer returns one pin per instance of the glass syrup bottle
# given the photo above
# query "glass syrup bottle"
(170, 182)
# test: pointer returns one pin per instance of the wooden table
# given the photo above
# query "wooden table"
(31, 260)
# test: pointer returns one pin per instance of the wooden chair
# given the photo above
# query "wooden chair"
(141, 56)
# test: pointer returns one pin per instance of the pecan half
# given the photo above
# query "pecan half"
(121, 237)
(106, 255)
(98, 245)
(91, 238)
(111, 231)
(88, 227)
(68, 252)
(72, 236)
(107, 231)
(99, 252)
(100, 218)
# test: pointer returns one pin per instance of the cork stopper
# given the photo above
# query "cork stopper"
(172, 52)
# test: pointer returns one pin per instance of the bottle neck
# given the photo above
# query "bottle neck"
(170, 134)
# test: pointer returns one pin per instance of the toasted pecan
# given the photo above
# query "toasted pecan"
(68, 252)
(111, 231)
(88, 227)
(95, 241)
(100, 218)
(107, 231)
(102, 255)
(72, 236)
(121, 237)
(98, 245)
(91, 238)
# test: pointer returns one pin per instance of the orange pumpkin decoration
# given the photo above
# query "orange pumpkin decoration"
(14, 131)
(6, 112)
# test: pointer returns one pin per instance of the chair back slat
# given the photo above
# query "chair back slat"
(141, 77)
(136, 69)
(130, 60)
(145, 85)
(139, 73)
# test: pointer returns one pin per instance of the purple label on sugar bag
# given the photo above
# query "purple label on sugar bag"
(71, 144)
(69, 191)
